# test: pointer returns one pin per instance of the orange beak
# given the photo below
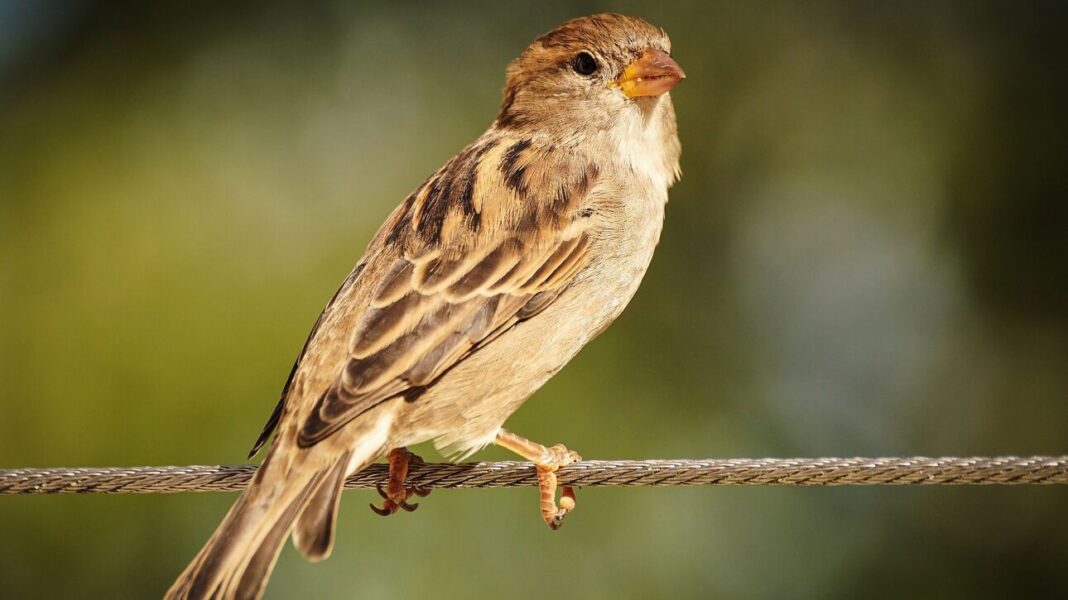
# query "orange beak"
(651, 75)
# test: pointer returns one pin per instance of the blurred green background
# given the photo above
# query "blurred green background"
(867, 255)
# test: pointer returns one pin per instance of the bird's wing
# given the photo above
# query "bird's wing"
(489, 240)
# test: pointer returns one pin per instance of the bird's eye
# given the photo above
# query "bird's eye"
(584, 64)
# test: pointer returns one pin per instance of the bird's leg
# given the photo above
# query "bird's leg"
(396, 495)
(547, 461)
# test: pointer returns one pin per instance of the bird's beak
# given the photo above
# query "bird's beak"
(651, 75)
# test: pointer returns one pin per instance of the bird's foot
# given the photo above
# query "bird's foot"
(395, 496)
(553, 512)
(547, 460)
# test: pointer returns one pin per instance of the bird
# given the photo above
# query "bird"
(479, 287)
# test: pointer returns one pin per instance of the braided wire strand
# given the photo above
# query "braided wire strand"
(999, 470)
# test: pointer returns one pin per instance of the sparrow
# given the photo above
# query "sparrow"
(479, 287)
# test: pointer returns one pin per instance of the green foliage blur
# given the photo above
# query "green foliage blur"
(867, 255)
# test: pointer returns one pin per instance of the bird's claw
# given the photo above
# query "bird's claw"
(385, 511)
(395, 495)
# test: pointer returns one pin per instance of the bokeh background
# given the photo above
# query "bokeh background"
(867, 255)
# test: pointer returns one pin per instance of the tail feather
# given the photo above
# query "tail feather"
(238, 558)
(314, 532)
(295, 488)
(250, 583)
(254, 521)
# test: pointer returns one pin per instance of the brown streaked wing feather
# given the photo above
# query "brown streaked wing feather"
(440, 334)
(437, 305)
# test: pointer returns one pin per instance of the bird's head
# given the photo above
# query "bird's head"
(591, 74)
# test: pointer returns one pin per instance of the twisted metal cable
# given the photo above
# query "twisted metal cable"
(1000, 470)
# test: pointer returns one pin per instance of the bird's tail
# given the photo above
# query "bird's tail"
(238, 558)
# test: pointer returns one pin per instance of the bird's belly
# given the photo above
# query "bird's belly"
(463, 411)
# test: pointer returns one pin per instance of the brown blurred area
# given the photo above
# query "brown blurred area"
(867, 255)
